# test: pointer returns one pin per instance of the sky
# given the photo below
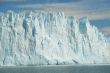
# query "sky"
(97, 11)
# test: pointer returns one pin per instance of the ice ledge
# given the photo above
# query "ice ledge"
(49, 37)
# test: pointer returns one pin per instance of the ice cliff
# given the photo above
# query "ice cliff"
(49, 37)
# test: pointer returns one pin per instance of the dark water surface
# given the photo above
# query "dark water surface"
(58, 69)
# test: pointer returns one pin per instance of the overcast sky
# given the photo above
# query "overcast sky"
(98, 11)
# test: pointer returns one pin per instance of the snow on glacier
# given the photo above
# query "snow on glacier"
(49, 37)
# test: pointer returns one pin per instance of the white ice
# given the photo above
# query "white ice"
(49, 37)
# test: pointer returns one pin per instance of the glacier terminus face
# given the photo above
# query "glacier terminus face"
(50, 38)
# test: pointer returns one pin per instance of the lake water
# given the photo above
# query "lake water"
(57, 69)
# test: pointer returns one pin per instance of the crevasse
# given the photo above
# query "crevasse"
(49, 37)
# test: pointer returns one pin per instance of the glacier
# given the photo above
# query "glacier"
(43, 37)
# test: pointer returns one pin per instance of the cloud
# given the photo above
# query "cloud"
(13, 0)
(77, 9)
(53, 1)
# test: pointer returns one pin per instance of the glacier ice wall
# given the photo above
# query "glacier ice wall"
(49, 37)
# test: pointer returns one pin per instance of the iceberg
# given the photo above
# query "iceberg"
(43, 37)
